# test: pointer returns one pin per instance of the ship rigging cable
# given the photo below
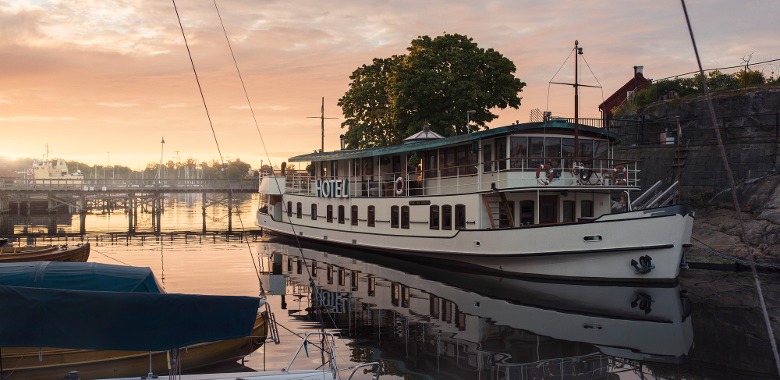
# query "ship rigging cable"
(733, 193)
(214, 133)
(315, 296)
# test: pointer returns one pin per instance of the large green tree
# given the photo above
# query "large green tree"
(439, 80)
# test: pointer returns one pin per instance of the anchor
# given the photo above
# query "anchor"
(643, 301)
(646, 263)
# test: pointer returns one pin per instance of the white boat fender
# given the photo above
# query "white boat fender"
(399, 186)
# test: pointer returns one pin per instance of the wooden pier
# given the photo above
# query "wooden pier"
(129, 195)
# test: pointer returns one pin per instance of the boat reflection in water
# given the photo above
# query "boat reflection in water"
(431, 321)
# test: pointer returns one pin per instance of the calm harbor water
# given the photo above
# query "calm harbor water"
(422, 322)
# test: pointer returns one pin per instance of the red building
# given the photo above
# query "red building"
(638, 81)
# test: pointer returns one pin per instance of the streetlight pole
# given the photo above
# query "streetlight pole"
(159, 168)
(468, 120)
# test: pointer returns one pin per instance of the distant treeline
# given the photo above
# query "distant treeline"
(189, 168)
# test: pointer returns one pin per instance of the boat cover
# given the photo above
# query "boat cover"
(100, 320)
(79, 276)
(110, 307)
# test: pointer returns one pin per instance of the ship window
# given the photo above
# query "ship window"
(460, 217)
(500, 153)
(298, 210)
(586, 150)
(461, 159)
(527, 212)
(298, 266)
(314, 268)
(394, 217)
(371, 286)
(313, 211)
(356, 166)
(447, 161)
(330, 274)
(354, 216)
(487, 156)
(537, 150)
(396, 164)
(353, 279)
(342, 276)
(434, 309)
(601, 151)
(395, 293)
(472, 157)
(406, 295)
(553, 151)
(405, 217)
(334, 165)
(289, 209)
(368, 166)
(371, 216)
(341, 214)
(430, 164)
(330, 214)
(518, 149)
(567, 150)
(323, 169)
(503, 217)
(446, 217)
(586, 209)
(434, 224)
(289, 264)
(548, 212)
(568, 211)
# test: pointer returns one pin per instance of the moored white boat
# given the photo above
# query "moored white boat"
(518, 200)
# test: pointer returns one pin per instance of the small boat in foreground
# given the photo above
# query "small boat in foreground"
(109, 320)
(78, 253)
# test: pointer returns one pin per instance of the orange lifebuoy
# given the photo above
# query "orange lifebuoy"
(550, 172)
(399, 186)
(615, 175)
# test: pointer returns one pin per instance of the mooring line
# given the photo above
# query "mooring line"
(733, 193)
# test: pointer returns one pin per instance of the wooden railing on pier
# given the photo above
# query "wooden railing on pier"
(133, 185)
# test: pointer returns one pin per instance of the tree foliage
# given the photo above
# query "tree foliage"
(437, 81)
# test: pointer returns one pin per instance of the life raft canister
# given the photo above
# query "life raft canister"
(623, 181)
(550, 173)
(399, 186)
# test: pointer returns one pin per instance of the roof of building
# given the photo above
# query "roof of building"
(629, 86)
(459, 139)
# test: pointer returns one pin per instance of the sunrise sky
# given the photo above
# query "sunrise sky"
(90, 77)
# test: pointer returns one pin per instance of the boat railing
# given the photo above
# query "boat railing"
(510, 172)
(329, 345)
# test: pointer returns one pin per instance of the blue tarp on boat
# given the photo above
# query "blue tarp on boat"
(118, 320)
(79, 276)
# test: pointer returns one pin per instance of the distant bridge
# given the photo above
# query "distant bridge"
(132, 195)
(93, 186)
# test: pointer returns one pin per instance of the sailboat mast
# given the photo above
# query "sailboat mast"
(576, 103)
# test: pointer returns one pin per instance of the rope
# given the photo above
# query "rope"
(216, 141)
(112, 258)
(734, 194)
(270, 163)
(594, 77)
(732, 258)
(556, 74)
(17, 366)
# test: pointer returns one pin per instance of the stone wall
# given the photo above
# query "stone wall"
(751, 136)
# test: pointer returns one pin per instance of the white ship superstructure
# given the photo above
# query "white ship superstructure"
(529, 199)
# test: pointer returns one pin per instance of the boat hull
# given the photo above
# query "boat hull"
(52, 253)
(600, 250)
(101, 364)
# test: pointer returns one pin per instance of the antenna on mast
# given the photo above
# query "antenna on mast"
(576, 85)
(322, 117)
